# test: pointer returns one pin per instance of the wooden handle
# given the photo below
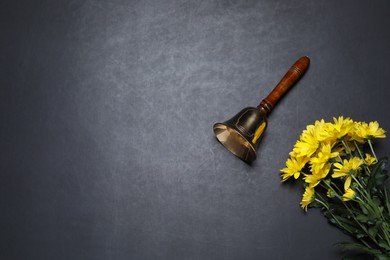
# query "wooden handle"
(292, 76)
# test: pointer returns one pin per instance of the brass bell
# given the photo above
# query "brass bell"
(242, 133)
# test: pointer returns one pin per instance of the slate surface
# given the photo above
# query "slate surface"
(107, 107)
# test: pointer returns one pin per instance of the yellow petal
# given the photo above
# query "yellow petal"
(347, 183)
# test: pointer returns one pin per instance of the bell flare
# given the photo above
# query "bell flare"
(242, 133)
(235, 142)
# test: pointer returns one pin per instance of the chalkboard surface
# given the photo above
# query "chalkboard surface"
(107, 107)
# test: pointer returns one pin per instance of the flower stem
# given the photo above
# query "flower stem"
(334, 217)
(361, 156)
(347, 148)
(374, 211)
(387, 200)
(372, 149)
(341, 159)
(321, 202)
(358, 222)
(358, 149)
(363, 190)
(352, 214)
(385, 233)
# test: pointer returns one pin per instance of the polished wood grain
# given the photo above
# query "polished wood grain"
(289, 79)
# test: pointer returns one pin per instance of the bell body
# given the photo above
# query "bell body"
(241, 134)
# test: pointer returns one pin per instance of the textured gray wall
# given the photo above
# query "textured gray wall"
(107, 107)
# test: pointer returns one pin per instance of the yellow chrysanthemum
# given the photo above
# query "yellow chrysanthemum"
(369, 160)
(324, 132)
(294, 166)
(330, 193)
(346, 170)
(305, 148)
(308, 197)
(307, 144)
(371, 130)
(319, 129)
(341, 126)
(354, 133)
(323, 156)
(312, 179)
(315, 178)
(349, 194)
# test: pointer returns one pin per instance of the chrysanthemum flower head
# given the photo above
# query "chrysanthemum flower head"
(371, 130)
(308, 144)
(346, 169)
(293, 167)
(308, 197)
(323, 156)
(349, 194)
(317, 176)
(341, 126)
(369, 160)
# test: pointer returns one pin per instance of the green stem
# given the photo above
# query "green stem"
(361, 156)
(385, 233)
(357, 221)
(386, 197)
(372, 149)
(347, 148)
(363, 190)
(357, 181)
(322, 203)
(358, 149)
(374, 211)
(341, 159)
(387, 200)
(352, 214)
(336, 188)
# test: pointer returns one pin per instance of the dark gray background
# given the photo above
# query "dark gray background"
(107, 107)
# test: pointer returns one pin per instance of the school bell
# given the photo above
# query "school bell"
(242, 133)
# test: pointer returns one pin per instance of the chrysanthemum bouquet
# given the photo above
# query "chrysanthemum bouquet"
(343, 176)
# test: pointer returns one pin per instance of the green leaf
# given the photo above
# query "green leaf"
(362, 218)
(316, 204)
(379, 224)
(359, 235)
(376, 201)
(384, 245)
(358, 247)
(372, 231)
(371, 222)
(339, 209)
(382, 257)
(378, 176)
(363, 208)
